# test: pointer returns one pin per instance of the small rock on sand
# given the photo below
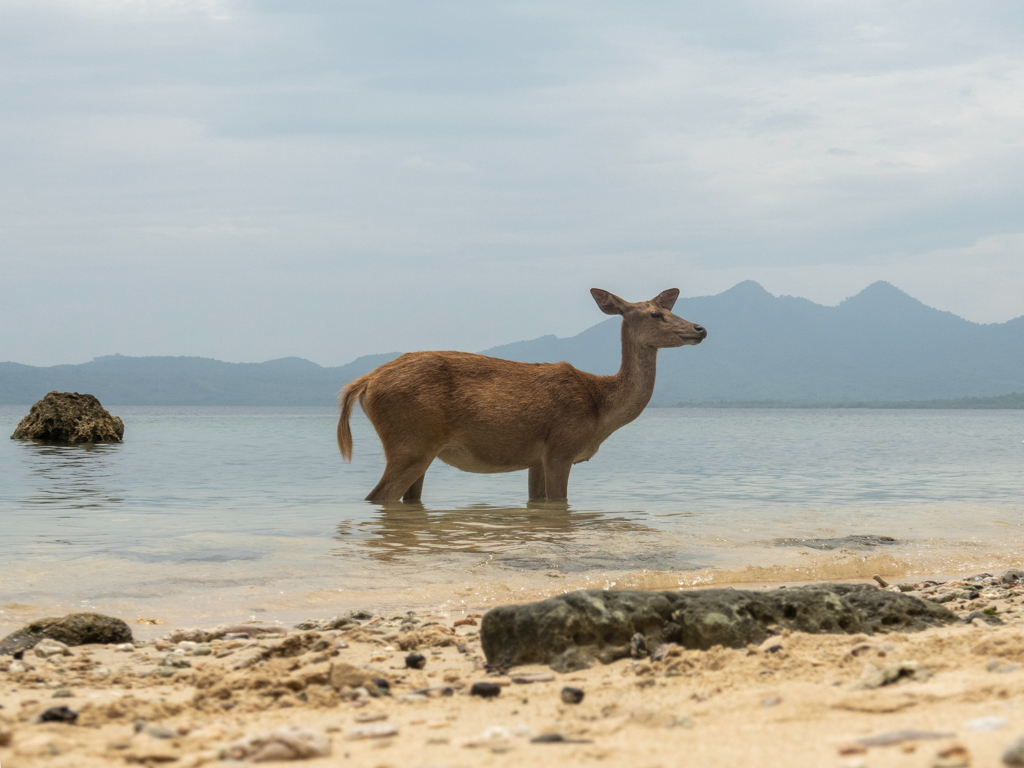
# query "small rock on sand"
(898, 737)
(59, 715)
(73, 629)
(876, 678)
(176, 661)
(415, 661)
(1014, 754)
(371, 717)
(984, 724)
(373, 731)
(525, 678)
(48, 647)
(485, 690)
(953, 756)
(852, 749)
(572, 695)
(286, 743)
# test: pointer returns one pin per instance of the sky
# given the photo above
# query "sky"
(255, 180)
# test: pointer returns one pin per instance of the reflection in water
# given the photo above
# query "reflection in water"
(70, 476)
(537, 536)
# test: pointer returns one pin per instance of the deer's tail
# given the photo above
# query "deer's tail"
(346, 402)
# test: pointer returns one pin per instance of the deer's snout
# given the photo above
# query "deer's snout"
(701, 330)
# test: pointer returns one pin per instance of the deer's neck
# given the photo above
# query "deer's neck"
(631, 388)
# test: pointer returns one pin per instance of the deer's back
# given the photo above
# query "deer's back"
(463, 388)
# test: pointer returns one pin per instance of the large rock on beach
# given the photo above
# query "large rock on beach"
(573, 629)
(68, 417)
(73, 629)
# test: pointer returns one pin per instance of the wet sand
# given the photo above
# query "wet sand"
(295, 586)
(806, 703)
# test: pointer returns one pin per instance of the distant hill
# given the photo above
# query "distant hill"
(880, 348)
(119, 380)
(1012, 401)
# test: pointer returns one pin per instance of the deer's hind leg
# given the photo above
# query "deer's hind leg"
(538, 492)
(403, 476)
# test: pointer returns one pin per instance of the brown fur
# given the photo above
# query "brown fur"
(484, 414)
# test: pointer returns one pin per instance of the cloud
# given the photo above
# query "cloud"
(244, 176)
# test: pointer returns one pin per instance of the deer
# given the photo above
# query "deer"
(487, 415)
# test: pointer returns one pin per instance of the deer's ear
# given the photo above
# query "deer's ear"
(666, 299)
(609, 303)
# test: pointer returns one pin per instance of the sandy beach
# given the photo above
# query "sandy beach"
(193, 696)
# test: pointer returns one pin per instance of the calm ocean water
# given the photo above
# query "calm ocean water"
(209, 513)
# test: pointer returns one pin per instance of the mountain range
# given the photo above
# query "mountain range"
(879, 347)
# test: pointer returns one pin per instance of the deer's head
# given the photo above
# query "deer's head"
(652, 322)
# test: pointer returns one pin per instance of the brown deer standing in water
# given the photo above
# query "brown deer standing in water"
(483, 414)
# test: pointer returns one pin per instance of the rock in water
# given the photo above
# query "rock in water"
(73, 629)
(602, 625)
(68, 417)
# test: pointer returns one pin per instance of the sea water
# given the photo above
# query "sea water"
(209, 513)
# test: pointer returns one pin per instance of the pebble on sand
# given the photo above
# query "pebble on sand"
(876, 678)
(286, 743)
(59, 715)
(993, 723)
(890, 738)
(1014, 754)
(371, 717)
(852, 749)
(953, 756)
(372, 731)
(48, 647)
(572, 695)
(526, 678)
(415, 661)
(485, 690)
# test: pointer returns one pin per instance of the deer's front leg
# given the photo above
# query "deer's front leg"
(538, 489)
(556, 479)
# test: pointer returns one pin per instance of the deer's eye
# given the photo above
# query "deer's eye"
(657, 315)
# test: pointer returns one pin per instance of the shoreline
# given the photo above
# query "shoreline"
(293, 597)
(801, 704)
